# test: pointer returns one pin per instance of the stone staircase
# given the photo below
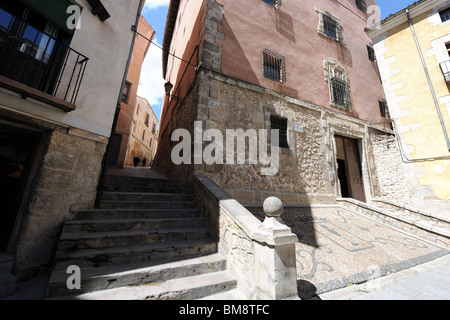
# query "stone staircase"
(429, 226)
(146, 241)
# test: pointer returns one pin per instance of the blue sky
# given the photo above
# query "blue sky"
(155, 12)
(392, 6)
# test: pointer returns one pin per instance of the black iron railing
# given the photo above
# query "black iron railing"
(445, 68)
(40, 61)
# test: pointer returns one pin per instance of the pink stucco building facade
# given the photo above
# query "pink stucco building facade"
(304, 67)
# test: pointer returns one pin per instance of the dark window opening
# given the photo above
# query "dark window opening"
(280, 124)
(331, 27)
(371, 53)
(384, 110)
(445, 15)
(361, 4)
(274, 3)
(340, 93)
(126, 92)
(274, 66)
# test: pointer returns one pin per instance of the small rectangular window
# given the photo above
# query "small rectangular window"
(282, 125)
(147, 120)
(274, 3)
(126, 92)
(361, 4)
(371, 53)
(143, 136)
(384, 110)
(331, 27)
(340, 91)
(445, 15)
(274, 66)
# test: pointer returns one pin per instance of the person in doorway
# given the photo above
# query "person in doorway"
(136, 161)
(144, 162)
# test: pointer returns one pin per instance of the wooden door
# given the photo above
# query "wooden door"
(352, 184)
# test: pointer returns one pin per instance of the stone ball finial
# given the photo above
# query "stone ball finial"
(273, 207)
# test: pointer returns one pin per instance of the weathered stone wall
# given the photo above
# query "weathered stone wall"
(390, 170)
(308, 169)
(65, 183)
(225, 103)
(182, 117)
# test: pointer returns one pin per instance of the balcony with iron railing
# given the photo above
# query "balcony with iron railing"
(39, 66)
(445, 68)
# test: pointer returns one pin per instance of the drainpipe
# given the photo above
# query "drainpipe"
(429, 80)
(105, 160)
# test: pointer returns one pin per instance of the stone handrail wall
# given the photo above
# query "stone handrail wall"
(261, 255)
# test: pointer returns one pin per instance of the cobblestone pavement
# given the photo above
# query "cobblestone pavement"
(428, 281)
(338, 248)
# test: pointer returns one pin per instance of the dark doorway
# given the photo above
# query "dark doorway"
(349, 168)
(17, 148)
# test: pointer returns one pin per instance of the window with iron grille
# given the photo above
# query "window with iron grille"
(274, 66)
(280, 124)
(361, 4)
(126, 92)
(445, 15)
(331, 27)
(371, 53)
(340, 91)
(384, 110)
(274, 3)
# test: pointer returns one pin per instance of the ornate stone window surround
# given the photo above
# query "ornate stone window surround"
(334, 69)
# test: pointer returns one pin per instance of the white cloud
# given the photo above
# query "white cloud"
(151, 86)
(154, 4)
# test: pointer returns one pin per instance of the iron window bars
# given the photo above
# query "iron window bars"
(331, 27)
(274, 3)
(340, 91)
(274, 66)
(371, 53)
(384, 110)
(40, 61)
(280, 124)
(445, 68)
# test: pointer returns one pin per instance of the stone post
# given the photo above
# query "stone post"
(275, 261)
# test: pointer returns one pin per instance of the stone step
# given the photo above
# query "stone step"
(133, 254)
(95, 279)
(8, 284)
(146, 196)
(189, 288)
(128, 179)
(111, 239)
(110, 225)
(145, 188)
(6, 263)
(147, 204)
(119, 213)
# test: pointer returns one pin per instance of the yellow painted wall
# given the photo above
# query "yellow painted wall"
(428, 140)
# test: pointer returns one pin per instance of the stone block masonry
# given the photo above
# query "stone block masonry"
(65, 182)
(308, 168)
